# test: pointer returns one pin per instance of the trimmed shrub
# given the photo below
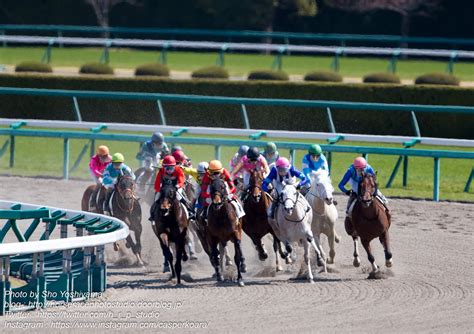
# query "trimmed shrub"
(382, 77)
(211, 72)
(96, 68)
(154, 69)
(268, 75)
(33, 66)
(437, 79)
(325, 76)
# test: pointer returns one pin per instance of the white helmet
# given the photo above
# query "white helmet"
(202, 167)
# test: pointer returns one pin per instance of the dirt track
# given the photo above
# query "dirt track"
(429, 289)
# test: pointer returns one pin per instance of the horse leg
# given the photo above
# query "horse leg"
(366, 244)
(331, 241)
(190, 245)
(284, 254)
(320, 256)
(215, 260)
(306, 246)
(262, 253)
(222, 255)
(180, 245)
(238, 258)
(228, 260)
(276, 246)
(137, 247)
(384, 239)
(167, 253)
(356, 261)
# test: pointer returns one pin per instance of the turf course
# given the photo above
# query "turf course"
(44, 157)
(236, 64)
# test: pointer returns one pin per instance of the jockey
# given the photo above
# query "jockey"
(283, 171)
(314, 161)
(111, 173)
(98, 163)
(237, 157)
(170, 173)
(271, 154)
(150, 153)
(215, 170)
(181, 159)
(252, 161)
(353, 175)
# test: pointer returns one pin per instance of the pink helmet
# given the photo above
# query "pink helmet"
(282, 163)
(360, 162)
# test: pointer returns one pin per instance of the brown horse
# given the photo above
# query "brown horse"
(223, 225)
(255, 222)
(124, 206)
(171, 225)
(91, 199)
(370, 220)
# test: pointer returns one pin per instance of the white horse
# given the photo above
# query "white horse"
(292, 223)
(320, 197)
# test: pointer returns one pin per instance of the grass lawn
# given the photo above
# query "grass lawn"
(44, 157)
(237, 64)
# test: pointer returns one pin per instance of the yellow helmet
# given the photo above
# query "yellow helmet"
(215, 166)
(102, 150)
(118, 157)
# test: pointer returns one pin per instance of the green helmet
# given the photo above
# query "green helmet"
(270, 147)
(315, 149)
(118, 157)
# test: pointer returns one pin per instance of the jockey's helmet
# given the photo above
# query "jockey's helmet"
(215, 167)
(253, 153)
(315, 149)
(176, 148)
(158, 138)
(118, 157)
(102, 150)
(179, 156)
(202, 167)
(169, 160)
(360, 163)
(282, 165)
(242, 150)
(270, 148)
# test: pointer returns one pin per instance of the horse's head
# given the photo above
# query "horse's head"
(367, 189)
(255, 186)
(167, 196)
(289, 197)
(218, 191)
(126, 187)
(321, 186)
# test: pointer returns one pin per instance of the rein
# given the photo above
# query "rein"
(308, 208)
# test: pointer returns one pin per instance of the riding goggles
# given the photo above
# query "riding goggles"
(283, 170)
(169, 169)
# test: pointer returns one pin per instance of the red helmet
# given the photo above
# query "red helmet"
(179, 156)
(360, 163)
(169, 160)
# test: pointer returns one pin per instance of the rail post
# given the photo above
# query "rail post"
(161, 111)
(220, 61)
(436, 180)
(335, 61)
(66, 159)
(217, 152)
(452, 60)
(163, 58)
(243, 111)
(469, 180)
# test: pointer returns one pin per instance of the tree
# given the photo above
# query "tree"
(406, 8)
(102, 10)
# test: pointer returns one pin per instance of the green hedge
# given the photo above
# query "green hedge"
(33, 66)
(325, 76)
(96, 68)
(383, 77)
(153, 69)
(214, 72)
(268, 75)
(271, 117)
(437, 79)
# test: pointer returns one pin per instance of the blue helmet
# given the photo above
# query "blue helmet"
(158, 138)
(243, 150)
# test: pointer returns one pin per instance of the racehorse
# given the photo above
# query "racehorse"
(91, 199)
(124, 206)
(370, 220)
(147, 191)
(171, 225)
(292, 223)
(320, 198)
(255, 222)
(223, 225)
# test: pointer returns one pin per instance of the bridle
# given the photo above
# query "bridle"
(295, 201)
(126, 194)
(360, 196)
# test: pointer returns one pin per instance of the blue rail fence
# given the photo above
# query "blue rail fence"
(285, 37)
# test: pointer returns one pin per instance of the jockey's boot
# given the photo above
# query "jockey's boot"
(106, 206)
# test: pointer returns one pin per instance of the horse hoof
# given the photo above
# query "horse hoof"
(389, 263)
(310, 281)
(356, 262)
(263, 256)
(241, 283)
(320, 262)
(219, 278)
(116, 246)
(279, 268)
(288, 260)
(330, 261)
(193, 257)
(228, 263)
(185, 257)
(337, 239)
(127, 245)
(243, 268)
(166, 269)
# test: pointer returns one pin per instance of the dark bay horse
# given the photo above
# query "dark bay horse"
(370, 220)
(171, 225)
(124, 206)
(255, 222)
(223, 225)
